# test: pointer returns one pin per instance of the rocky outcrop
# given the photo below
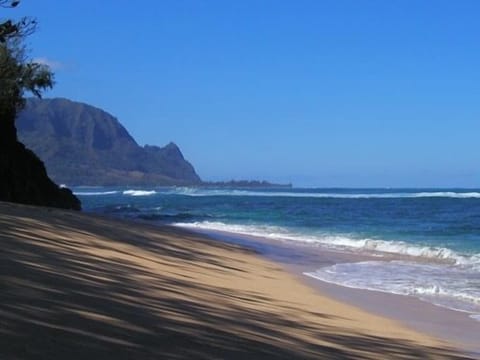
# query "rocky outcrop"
(23, 178)
(84, 145)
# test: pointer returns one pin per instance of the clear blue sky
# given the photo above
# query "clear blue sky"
(325, 93)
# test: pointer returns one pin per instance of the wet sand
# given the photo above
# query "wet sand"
(81, 286)
(298, 259)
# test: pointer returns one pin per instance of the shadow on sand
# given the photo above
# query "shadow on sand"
(61, 300)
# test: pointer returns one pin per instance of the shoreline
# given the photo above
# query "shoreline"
(443, 323)
(82, 285)
(418, 315)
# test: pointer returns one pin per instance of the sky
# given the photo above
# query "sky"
(358, 93)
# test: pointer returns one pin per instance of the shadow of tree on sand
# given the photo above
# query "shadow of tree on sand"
(66, 292)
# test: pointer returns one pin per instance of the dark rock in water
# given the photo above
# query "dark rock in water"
(23, 178)
(83, 145)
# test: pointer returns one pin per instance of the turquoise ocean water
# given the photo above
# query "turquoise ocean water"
(426, 242)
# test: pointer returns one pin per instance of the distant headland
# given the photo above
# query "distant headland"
(82, 145)
(245, 184)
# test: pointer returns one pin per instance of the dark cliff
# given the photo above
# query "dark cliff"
(83, 145)
(23, 178)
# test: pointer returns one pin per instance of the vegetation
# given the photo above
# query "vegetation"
(18, 74)
(23, 177)
(84, 145)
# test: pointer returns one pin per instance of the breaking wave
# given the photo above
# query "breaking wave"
(94, 193)
(452, 286)
(340, 241)
(299, 194)
(139, 192)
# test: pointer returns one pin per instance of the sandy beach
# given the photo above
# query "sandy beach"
(80, 286)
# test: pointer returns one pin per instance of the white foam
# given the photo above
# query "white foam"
(451, 286)
(139, 192)
(460, 195)
(453, 283)
(252, 230)
(342, 241)
(233, 192)
(475, 317)
(192, 191)
(94, 193)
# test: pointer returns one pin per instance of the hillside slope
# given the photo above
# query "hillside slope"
(84, 145)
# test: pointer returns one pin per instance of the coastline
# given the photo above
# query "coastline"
(437, 321)
(82, 285)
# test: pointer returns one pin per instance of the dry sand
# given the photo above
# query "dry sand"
(78, 286)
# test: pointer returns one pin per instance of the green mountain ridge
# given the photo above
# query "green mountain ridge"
(84, 145)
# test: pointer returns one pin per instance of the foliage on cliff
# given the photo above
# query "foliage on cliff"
(23, 177)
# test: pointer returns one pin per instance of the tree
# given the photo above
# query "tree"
(23, 177)
(18, 74)
(7, 28)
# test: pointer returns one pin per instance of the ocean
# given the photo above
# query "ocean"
(420, 242)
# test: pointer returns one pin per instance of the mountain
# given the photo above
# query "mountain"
(84, 145)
